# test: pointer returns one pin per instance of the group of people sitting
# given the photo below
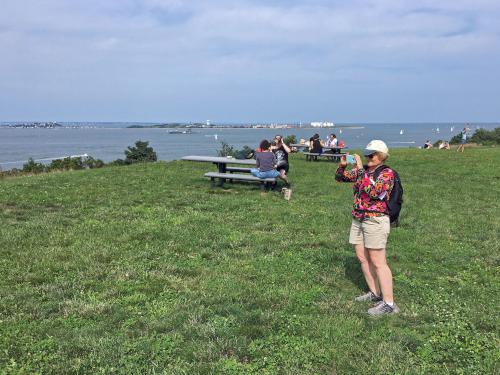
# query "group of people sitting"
(272, 160)
(442, 145)
(272, 157)
(316, 144)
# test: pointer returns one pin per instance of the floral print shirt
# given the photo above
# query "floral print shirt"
(370, 197)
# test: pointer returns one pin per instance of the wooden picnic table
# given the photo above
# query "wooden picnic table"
(220, 161)
(227, 173)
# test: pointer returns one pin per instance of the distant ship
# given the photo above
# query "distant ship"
(437, 130)
(401, 132)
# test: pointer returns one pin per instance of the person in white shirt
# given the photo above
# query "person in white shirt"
(332, 141)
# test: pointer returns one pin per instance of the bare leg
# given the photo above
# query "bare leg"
(384, 274)
(283, 176)
(368, 269)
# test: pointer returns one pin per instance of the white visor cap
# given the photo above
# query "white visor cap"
(376, 146)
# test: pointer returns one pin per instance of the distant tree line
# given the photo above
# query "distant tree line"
(140, 153)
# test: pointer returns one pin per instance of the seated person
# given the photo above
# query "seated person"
(281, 151)
(332, 141)
(315, 144)
(266, 163)
(428, 144)
(444, 145)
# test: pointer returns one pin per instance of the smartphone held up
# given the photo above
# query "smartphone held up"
(350, 159)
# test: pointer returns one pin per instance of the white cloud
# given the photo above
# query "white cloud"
(185, 44)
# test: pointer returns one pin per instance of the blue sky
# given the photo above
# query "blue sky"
(176, 60)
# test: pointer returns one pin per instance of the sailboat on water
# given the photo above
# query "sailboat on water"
(401, 132)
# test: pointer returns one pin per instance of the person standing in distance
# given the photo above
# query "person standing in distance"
(370, 223)
(463, 140)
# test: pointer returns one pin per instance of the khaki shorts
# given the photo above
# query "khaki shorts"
(371, 232)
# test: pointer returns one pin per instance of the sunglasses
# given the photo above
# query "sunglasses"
(370, 156)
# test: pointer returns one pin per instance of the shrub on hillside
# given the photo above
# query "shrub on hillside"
(228, 150)
(245, 153)
(455, 140)
(66, 164)
(117, 162)
(75, 163)
(33, 167)
(225, 149)
(289, 139)
(486, 137)
(92, 163)
(141, 153)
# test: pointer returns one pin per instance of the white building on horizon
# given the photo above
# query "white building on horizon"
(322, 124)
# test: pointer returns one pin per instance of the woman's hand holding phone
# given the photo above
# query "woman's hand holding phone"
(351, 159)
(359, 162)
(343, 162)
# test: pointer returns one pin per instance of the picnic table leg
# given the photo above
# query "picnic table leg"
(222, 169)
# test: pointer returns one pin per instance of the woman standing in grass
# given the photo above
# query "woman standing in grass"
(463, 140)
(370, 224)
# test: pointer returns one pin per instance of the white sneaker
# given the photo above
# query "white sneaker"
(383, 309)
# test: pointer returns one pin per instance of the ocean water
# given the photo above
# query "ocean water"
(108, 141)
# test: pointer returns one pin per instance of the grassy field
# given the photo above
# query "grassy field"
(145, 269)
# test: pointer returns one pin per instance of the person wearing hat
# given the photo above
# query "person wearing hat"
(370, 223)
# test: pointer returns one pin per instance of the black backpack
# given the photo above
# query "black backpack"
(395, 201)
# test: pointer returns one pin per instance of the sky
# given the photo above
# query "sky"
(250, 61)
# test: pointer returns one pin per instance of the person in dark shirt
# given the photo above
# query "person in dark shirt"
(281, 151)
(266, 163)
(315, 144)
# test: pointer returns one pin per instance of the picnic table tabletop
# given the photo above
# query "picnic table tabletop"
(219, 159)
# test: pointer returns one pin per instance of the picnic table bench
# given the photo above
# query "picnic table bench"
(264, 182)
(227, 173)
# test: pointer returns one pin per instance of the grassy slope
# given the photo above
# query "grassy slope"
(145, 268)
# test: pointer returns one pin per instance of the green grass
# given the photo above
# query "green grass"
(145, 269)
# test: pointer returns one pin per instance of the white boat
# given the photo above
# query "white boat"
(401, 132)
(437, 130)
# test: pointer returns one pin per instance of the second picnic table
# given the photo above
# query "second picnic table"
(334, 154)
